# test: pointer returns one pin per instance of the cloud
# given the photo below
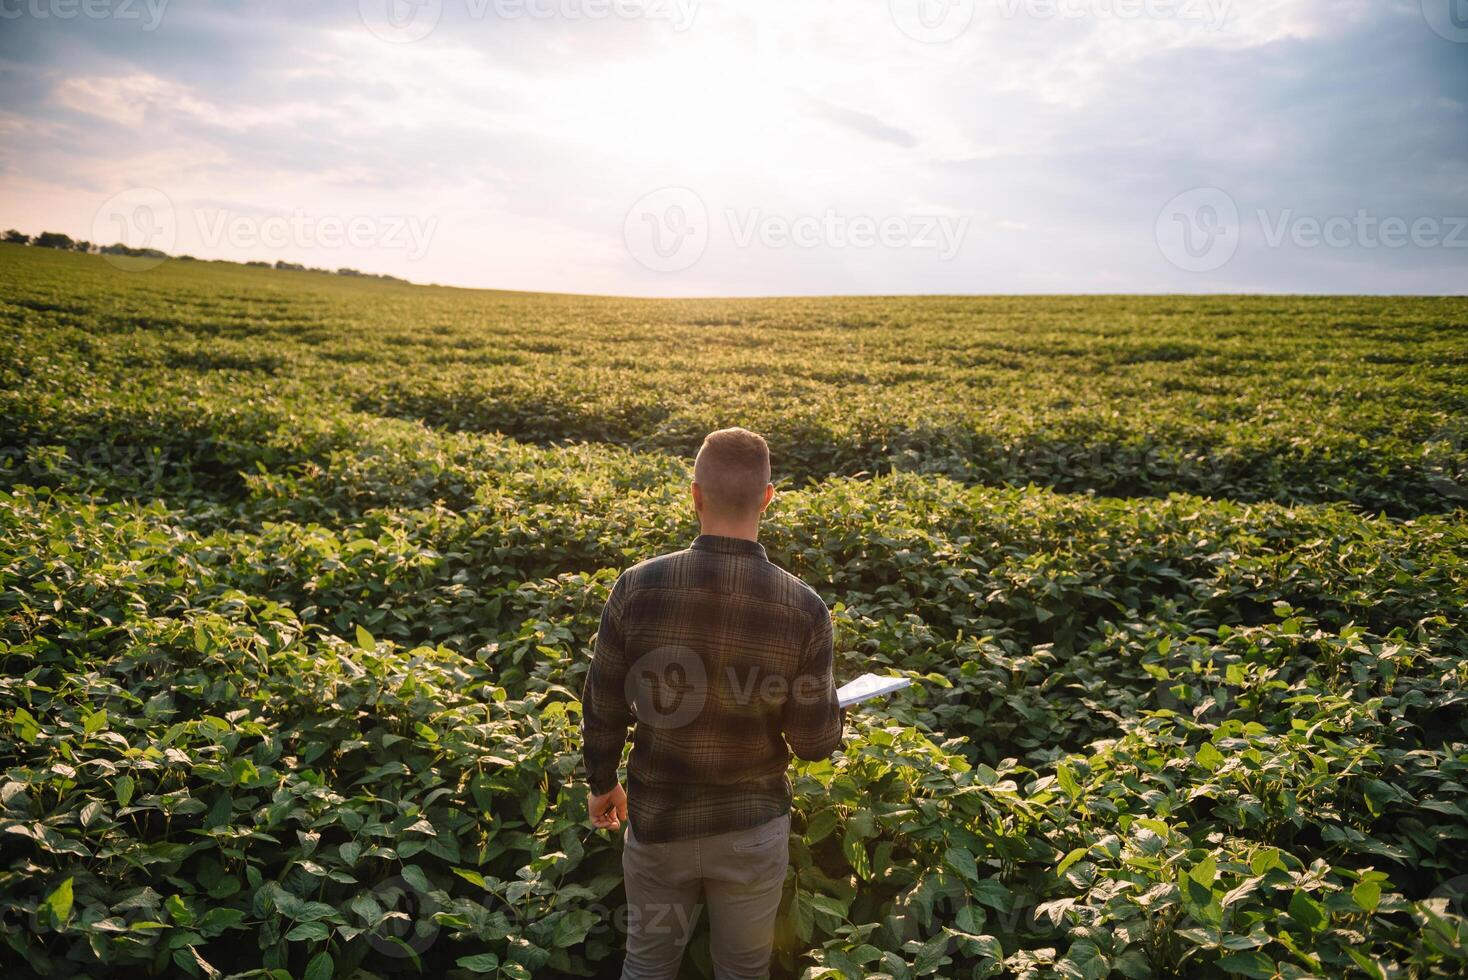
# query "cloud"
(863, 123)
(125, 100)
(529, 138)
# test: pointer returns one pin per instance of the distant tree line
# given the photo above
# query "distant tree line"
(49, 239)
(65, 243)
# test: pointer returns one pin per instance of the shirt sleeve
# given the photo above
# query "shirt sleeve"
(605, 714)
(813, 721)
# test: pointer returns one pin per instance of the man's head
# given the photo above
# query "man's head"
(731, 479)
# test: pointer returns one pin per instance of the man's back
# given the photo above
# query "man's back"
(723, 661)
(721, 657)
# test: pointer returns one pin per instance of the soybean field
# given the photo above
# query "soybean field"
(299, 575)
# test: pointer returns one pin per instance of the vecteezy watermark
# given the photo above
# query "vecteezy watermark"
(831, 229)
(136, 229)
(139, 917)
(668, 230)
(670, 686)
(1211, 14)
(943, 913)
(409, 233)
(149, 13)
(399, 917)
(1450, 897)
(1448, 18)
(405, 21)
(143, 465)
(400, 21)
(1200, 230)
(1202, 469)
(1186, 686)
(932, 21)
(937, 21)
(667, 687)
(140, 219)
(1362, 229)
(1446, 462)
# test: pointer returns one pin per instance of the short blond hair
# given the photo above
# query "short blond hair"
(732, 470)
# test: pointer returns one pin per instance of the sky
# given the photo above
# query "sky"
(757, 147)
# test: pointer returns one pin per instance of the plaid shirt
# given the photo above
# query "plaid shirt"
(720, 658)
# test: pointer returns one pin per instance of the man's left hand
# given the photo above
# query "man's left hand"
(609, 809)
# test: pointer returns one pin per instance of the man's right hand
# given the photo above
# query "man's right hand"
(608, 809)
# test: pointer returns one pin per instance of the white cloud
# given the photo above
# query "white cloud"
(128, 100)
(529, 140)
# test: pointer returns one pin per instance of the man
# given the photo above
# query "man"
(723, 662)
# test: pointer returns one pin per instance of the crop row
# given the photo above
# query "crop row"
(1288, 399)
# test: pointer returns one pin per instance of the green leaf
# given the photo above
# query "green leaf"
(414, 876)
(91, 812)
(963, 862)
(308, 932)
(1067, 780)
(185, 960)
(931, 955)
(179, 911)
(472, 877)
(1367, 895)
(314, 911)
(1133, 963)
(828, 905)
(25, 724)
(532, 806)
(991, 893)
(123, 787)
(841, 966)
(1209, 757)
(1248, 963)
(1205, 872)
(366, 906)
(572, 927)
(1307, 912)
(1070, 859)
(218, 920)
(803, 913)
(1086, 961)
(1371, 968)
(365, 639)
(1265, 859)
(820, 825)
(479, 962)
(321, 967)
(57, 905)
(856, 856)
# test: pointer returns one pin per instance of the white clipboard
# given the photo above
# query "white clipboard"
(869, 686)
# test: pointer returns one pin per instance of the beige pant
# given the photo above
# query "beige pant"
(739, 875)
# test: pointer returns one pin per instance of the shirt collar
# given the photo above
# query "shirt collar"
(722, 545)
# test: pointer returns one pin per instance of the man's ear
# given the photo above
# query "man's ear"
(769, 495)
(697, 497)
